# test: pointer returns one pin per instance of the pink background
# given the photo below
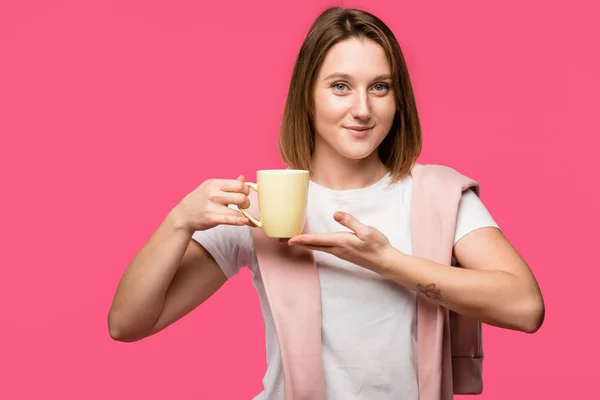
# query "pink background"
(112, 111)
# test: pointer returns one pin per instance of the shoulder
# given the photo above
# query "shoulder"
(435, 171)
(442, 176)
(225, 237)
(472, 215)
(230, 246)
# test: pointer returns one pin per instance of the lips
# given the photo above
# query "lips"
(359, 131)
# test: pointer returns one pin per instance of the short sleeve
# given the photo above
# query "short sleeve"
(472, 215)
(229, 245)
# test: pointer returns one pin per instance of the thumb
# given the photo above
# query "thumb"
(351, 223)
(241, 178)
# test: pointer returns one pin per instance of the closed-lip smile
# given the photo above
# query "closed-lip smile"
(359, 132)
(359, 128)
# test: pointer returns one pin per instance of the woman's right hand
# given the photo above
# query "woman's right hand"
(207, 205)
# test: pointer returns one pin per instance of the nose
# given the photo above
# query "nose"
(361, 109)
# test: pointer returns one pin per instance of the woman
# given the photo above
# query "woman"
(351, 119)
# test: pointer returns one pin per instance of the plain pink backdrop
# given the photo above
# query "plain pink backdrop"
(112, 111)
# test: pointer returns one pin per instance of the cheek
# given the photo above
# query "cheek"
(328, 109)
(387, 110)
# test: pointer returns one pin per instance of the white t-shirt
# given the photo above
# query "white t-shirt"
(369, 323)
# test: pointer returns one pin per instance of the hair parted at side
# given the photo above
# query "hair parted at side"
(402, 145)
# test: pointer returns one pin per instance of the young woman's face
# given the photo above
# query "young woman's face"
(353, 98)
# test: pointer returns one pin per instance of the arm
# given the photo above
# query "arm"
(172, 274)
(167, 279)
(495, 285)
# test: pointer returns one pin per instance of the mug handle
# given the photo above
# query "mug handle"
(256, 222)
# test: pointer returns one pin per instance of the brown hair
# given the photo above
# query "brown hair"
(401, 147)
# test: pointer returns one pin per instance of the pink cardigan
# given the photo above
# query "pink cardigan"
(449, 345)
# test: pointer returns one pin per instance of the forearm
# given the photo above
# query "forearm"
(141, 292)
(493, 297)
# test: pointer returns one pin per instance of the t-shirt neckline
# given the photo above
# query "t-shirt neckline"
(381, 183)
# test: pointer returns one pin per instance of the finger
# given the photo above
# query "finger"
(326, 249)
(351, 223)
(234, 186)
(226, 198)
(232, 218)
(320, 239)
(311, 246)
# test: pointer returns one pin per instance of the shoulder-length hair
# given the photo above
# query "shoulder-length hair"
(402, 146)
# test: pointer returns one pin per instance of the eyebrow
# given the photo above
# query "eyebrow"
(340, 75)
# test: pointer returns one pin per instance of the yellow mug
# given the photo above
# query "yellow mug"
(282, 200)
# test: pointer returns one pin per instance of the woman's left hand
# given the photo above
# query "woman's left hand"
(364, 246)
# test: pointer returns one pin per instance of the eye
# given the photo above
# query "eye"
(381, 87)
(339, 86)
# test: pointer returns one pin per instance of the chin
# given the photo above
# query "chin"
(357, 151)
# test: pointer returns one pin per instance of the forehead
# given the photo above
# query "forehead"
(360, 58)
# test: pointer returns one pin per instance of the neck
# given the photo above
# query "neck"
(340, 173)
